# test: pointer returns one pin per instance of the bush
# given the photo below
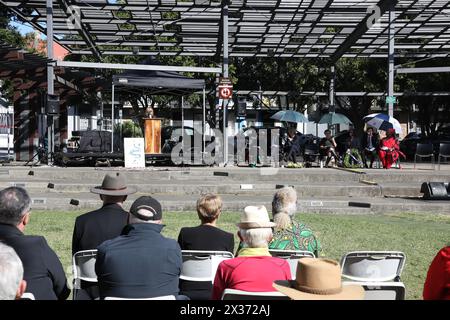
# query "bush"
(129, 130)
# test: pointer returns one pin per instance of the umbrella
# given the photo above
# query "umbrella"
(334, 118)
(383, 122)
(289, 116)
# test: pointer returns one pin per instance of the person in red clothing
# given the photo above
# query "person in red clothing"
(389, 149)
(437, 284)
(254, 269)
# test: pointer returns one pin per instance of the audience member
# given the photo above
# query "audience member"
(370, 144)
(290, 234)
(437, 284)
(255, 269)
(206, 236)
(292, 146)
(95, 227)
(140, 263)
(12, 285)
(43, 271)
(328, 147)
(318, 279)
(389, 151)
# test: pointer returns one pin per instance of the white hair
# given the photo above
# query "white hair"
(256, 238)
(144, 212)
(284, 206)
(11, 272)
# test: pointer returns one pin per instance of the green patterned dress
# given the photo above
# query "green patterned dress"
(297, 237)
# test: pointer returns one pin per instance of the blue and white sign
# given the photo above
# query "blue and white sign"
(134, 152)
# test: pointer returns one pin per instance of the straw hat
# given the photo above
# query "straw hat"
(318, 279)
(255, 217)
(114, 185)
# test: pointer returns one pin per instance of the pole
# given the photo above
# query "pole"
(182, 127)
(225, 75)
(332, 89)
(50, 76)
(391, 56)
(112, 119)
(204, 122)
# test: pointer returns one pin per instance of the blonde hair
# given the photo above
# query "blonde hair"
(209, 207)
(284, 205)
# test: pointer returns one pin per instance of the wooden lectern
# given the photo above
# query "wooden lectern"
(152, 135)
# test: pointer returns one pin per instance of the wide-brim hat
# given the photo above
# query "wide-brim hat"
(255, 217)
(318, 279)
(114, 185)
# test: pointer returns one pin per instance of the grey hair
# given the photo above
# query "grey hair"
(284, 205)
(256, 238)
(11, 272)
(14, 204)
(144, 212)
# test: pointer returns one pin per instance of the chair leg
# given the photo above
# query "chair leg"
(415, 159)
(432, 161)
(439, 163)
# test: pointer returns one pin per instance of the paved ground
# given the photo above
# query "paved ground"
(320, 190)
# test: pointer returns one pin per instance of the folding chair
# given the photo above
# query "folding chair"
(233, 294)
(388, 290)
(201, 265)
(292, 257)
(312, 152)
(171, 297)
(83, 266)
(424, 150)
(444, 152)
(375, 266)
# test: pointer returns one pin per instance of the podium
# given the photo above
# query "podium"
(152, 135)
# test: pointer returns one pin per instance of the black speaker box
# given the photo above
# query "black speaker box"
(435, 190)
(52, 106)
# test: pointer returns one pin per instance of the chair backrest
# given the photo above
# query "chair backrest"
(311, 150)
(292, 257)
(202, 265)
(424, 149)
(444, 149)
(374, 266)
(171, 297)
(27, 296)
(381, 290)
(83, 264)
(233, 294)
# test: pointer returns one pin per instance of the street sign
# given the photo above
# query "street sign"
(391, 99)
(225, 89)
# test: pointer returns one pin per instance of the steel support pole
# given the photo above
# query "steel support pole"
(332, 89)
(391, 56)
(204, 123)
(112, 120)
(50, 79)
(225, 75)
(182, 128)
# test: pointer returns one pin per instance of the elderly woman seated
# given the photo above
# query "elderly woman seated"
(254, 269)
(288, 233)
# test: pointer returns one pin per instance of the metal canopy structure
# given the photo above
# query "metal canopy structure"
(275, 28)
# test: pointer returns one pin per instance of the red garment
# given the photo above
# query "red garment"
(388, 158)
(437, 285)
(255, 274)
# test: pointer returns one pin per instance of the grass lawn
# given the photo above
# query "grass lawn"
(419, 236)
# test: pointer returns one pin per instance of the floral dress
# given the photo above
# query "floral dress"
(298, 237)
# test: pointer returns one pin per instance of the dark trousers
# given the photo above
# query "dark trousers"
(88, 291)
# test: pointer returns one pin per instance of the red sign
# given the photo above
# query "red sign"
(225, 89)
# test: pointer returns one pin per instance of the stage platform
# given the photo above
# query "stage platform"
(327, 190)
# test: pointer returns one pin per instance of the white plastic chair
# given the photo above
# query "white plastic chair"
(292, 257)
(373, 266)
(83, 266)
(202, 265)
(171, 297)
(387, 290)
(233, 294)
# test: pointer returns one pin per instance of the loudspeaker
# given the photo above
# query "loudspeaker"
(435, 190)
(52, 106)
(242, 108)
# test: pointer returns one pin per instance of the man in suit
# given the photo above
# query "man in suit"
(43, 271)
(95, 227)
(292, 145)
(141, 263)
(370, 144)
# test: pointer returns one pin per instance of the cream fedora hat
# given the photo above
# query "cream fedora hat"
(318, 279)
(255, 217)
(114, 185)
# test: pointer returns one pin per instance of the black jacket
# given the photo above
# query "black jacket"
(365, 141)
(43, 271)
(141, 263)
(95, 227)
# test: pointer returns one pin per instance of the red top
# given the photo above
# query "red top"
(255, 274)
(390, 142)
(437, 285)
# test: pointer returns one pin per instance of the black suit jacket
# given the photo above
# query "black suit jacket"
(95, 227)
(365, 141)
(43, 271)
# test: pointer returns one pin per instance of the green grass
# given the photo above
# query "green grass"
(419, 236)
